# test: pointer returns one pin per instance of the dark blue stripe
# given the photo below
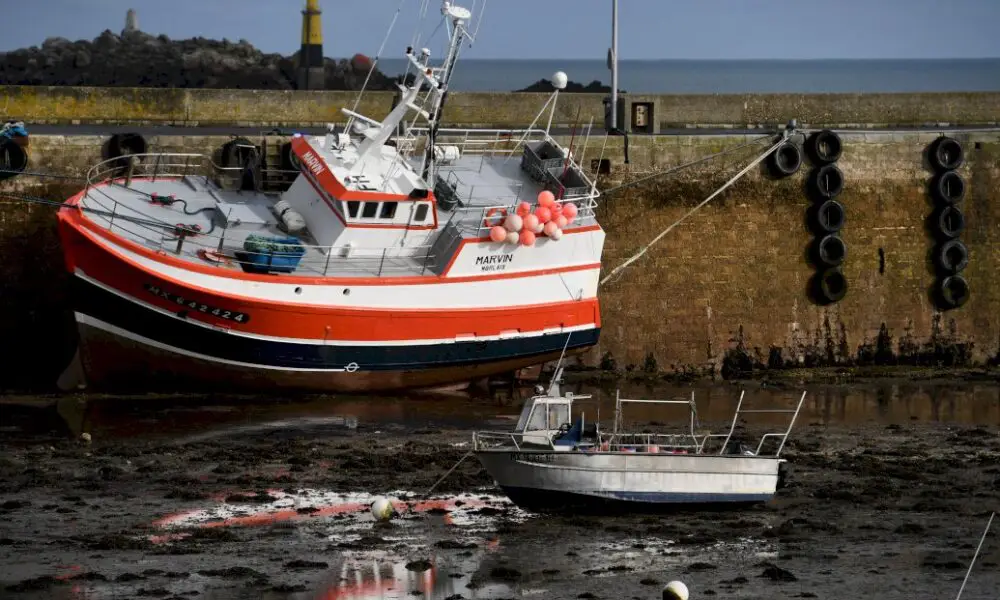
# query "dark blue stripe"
(108, 307)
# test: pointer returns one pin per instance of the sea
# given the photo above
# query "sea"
(733, 76)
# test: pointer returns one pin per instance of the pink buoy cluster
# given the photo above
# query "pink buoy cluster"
(548, 218)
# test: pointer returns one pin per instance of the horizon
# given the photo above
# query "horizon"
(649, 30)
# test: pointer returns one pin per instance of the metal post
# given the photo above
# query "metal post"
(327, 266)
(382, 262)
(614, 64)
(156, 166)
(128, 172)
(114, 209)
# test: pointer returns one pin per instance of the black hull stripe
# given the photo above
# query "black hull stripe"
(113, 309)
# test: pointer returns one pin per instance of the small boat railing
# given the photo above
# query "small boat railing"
(485, 440)
(770, 435)
(693, 441)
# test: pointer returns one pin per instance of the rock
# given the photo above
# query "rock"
(776, 573)
(138, 59)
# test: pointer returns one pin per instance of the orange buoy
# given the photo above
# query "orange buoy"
(550, 228)
(527, 238)
(544, 214)
(498, 233)
(569, 211)
(556, 209)
(529, 223)
(523, 209)
(561, 221)
(546, 198)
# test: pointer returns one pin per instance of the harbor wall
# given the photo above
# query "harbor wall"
(269, 108)
(724, 291)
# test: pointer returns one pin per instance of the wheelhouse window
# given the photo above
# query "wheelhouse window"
(388, 210)
(369, 210)
(537, 421)
(352, 208)
(421, 215)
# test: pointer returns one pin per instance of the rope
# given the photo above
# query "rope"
(450, 471)
(686, 165)
(975, 556)
(103, 213)
(377, 56)
(725, 186)
(37, 174)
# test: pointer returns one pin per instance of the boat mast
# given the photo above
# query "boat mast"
(459, 18)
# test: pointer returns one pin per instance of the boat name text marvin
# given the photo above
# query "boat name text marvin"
(496, 262)
(313, 162)
(229, 315)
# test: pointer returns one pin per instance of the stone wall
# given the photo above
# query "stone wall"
(68, 105)
(725, 288)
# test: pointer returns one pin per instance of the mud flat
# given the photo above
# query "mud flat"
(272, 505)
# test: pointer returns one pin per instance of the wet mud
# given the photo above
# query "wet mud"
(268, 508)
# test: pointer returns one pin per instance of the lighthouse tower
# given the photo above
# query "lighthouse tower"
(311, 73)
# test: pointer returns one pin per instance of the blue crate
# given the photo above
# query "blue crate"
(271, 255)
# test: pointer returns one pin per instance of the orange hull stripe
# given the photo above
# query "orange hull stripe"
(317, 323)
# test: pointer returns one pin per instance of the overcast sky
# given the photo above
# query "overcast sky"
(649, 29)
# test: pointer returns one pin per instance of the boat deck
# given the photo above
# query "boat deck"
(209, 222)
(225, 219)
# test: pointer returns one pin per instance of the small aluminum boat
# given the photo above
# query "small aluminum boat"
(549, 463)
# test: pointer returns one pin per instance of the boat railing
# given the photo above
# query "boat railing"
(782, 435)
(218, 249)
(174, 165)
(485, 440)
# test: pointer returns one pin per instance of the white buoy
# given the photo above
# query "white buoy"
(559, 80)
(675, 590)
(382, 509)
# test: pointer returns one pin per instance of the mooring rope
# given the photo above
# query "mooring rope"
(672, 170)
(975, 556)
(725, 186)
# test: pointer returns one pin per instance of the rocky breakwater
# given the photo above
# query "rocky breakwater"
(137, 59)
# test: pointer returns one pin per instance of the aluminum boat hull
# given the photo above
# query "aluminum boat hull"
(553, 481)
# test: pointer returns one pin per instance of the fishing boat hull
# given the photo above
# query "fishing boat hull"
(145, 323)
(554, 481)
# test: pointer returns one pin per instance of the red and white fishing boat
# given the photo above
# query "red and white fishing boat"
(404, 255)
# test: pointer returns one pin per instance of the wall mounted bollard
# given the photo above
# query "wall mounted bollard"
(950, 255)
(826, 216)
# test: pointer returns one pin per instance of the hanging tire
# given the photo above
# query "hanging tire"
(949, 222)
(124, 144)
(828, 217)
(947, 187)
(825, 182)
(952, 292)
(240, 153)
(823, 147)
(13, 159)
(830, 251)
(785, 161)
(830, 286)
(951, 257)
(945, 154)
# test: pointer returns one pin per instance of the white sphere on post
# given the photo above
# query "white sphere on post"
(559, 80)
